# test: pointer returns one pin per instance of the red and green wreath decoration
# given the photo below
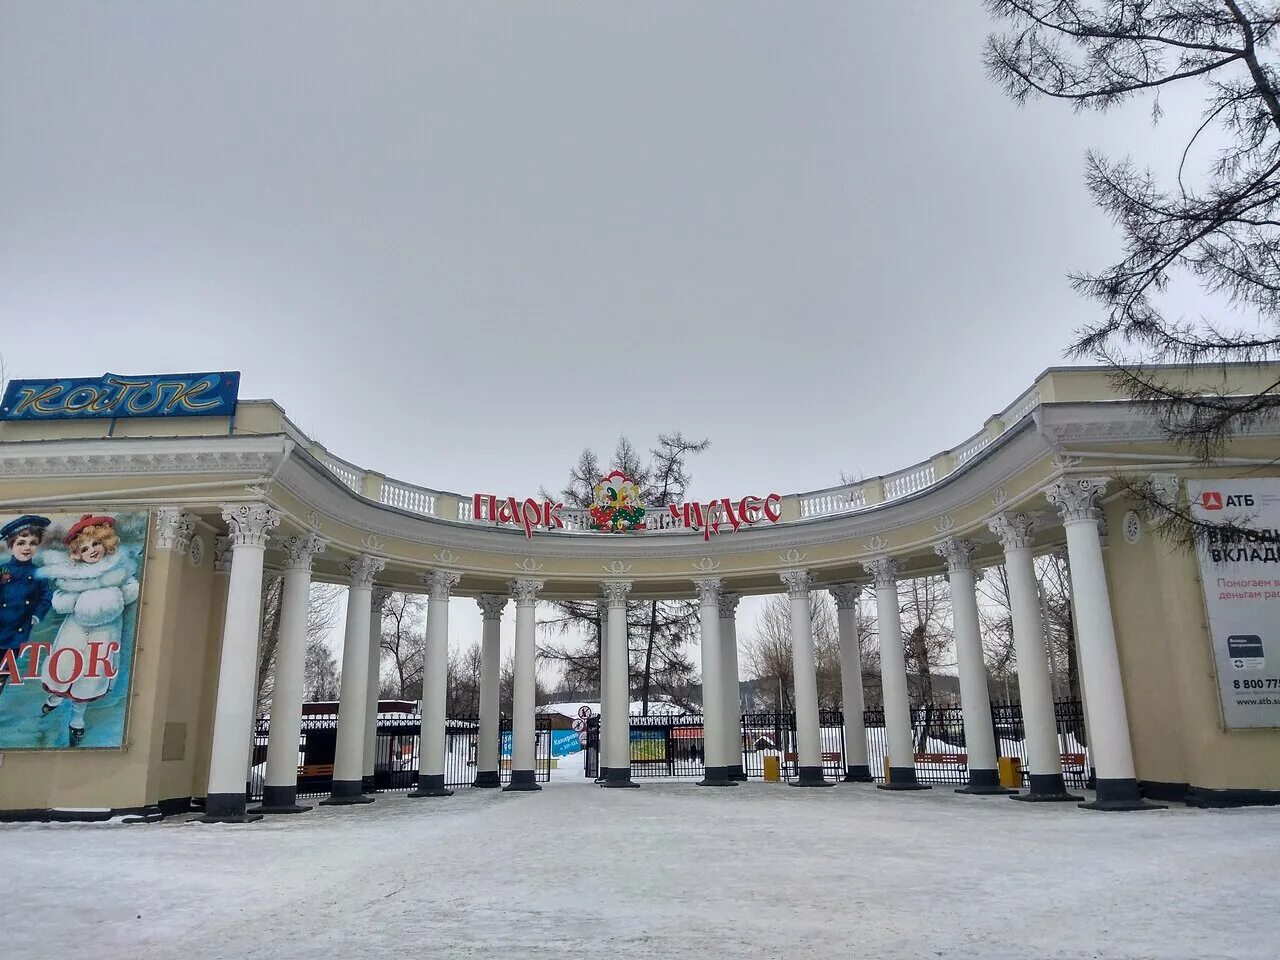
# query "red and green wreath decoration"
(617, 507)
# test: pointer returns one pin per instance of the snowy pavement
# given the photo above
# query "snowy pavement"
(670, 870)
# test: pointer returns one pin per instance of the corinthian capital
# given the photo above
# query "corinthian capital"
(957, 552)
(525, 590)
(884, 570)
(173, 529)
(709, 590)
(301, 549)
(491, 605)
(615, 591)
(1077, 497)
(440, 583)
(728, 605)
(1015, 530)
(249, 523)
(362, 568)
(797, 582)
(845, 594)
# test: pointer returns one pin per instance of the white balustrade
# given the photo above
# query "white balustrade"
(971, 448)
(909, 481)
(346, 472)
(408, 497)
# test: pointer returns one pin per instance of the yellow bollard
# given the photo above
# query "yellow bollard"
(886, 769)
(1010, 772)
(772, 770)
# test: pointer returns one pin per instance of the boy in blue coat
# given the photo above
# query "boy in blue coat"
(24, 598)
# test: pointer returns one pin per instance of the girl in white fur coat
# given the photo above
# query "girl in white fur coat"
(91, 586)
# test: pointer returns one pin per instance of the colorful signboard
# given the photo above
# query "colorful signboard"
(69, 587)
(114, 396)
(1240, 573)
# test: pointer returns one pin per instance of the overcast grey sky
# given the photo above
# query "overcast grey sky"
(461, 241)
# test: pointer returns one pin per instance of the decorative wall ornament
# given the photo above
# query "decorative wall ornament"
(1077, 497)
(222, 554)
(313, 519)
(1162, 488)
(792, 557)
(616, 505)
(173, 529)
(372, 543)
(301, 549)
(797, 582)
(709, 590)
(440, 583)
(617, 568)
(1063, 461)
(845, 595)
(250, 523)
(362, 568)
(529, 565)
(615, 591)
(998, 499)
(491, 605)
(447, 558)
(257, 490)
(884, 570)
(875, 544)
(957, 552)
(945, 524)
(195, 551)
(728, 603)
(525, 590)
(706, 565)
(1132, 527)
(1015, 530)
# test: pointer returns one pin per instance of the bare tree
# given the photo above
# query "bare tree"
(927, 636)
(463, 687)
(1218, 227)
(321, 676)
(403, 640)
(323, 603)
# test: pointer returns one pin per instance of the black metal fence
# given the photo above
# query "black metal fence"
(665, 746)
(396, 752)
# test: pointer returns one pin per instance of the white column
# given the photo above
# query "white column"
(602, 758)
(1077, 500)
(348, 759)
(732, 683)
(377, 603)
(524, 728)
(1035, 689)
(975, 697)
(280, 790)
(857, 769)
(249, 524)
(617, 723)
(435, 685)
(491, 606)
(893, 678)
(804, 669)
(715, 760)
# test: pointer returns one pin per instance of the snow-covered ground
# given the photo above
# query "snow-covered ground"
(669, 870)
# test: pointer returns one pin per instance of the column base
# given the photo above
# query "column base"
(716, 777)
(985, 783)
(522, 781)
(857, 774)
(487, 778)
(345, 793)
(431, 785)
(1046, 788)
(227, 808)
(736, 773)
(618, 777)
(369, 784)
(1118, 795)
(903, 778)
(811, 777)
(280, 800)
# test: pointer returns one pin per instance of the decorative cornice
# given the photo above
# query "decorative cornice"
(1015, 530)
(728, 603)
(301, 549)
(440, 583)
(884, 570)
(491, 605)
(362, 568)
(1077, 497)
(525, 591)
(957, 551)
(845, 595)
(709, 590)
(797, 582)
(221, 554)
(143, 456)
(615, 592)
(249, 523)
(173, 529)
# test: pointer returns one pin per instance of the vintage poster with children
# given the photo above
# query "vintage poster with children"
(69, 587)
